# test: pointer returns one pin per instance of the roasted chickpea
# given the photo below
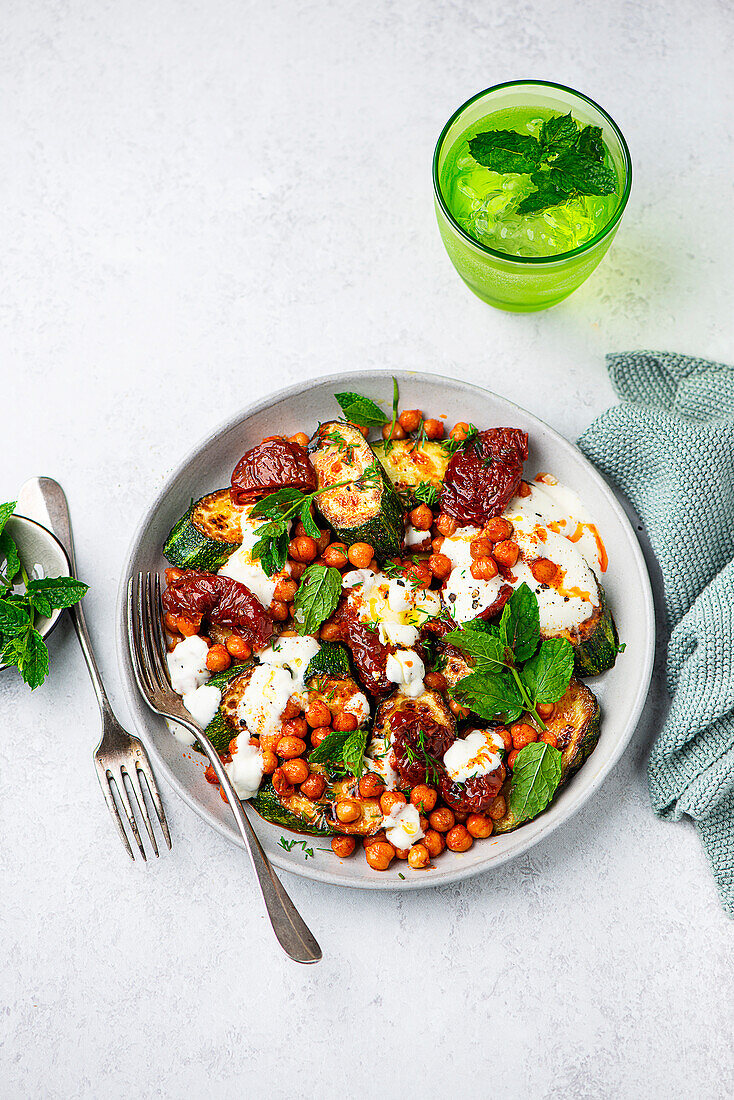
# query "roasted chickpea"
(480, 547)
(188, 627)
(288, 748)
(294, 727)
(280, 783)
(457, 710)
(544, 570)
(171, 622)
(440, 566)
(498, 529)
(389, 799)
(394, 431)
(458, 839)
(410, 419)
(483, 569)
(434, 842)
(300, 438)
(437, 543)
(335, 555)
(238, 647)
(279, 611)
(418, 857)
(506, 553)
(497, 807)
(523, 734)
(380, 855)
(550, 738)
(314, 786)
(173, 574)
(291, 710)
(303, 548)
(442, 819)
(270, 762)
(295, 771)
(512, 758)
(436, 681)
(401, 853)
(217, 659)
(348, 810)
(446, 525)
(371, 786)
(433, 429)
(374, 838)
(419, 574)
(298, 568)
(323, 540)
(524, 489)
(479, 826)
(360, 554)
(344, 722)
(421, 517)
(425, 798)
(318, 714)
(343, 846)
(285, 590)
(506, 736)
(545, 710)
(460, 430)
(319, 734)
(330, 632)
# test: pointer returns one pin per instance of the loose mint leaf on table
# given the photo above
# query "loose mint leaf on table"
(535, 778)
(6, 511)
(493, 696)
(506, 151)
(520, 623)
(549, 192)
(582, 173)
(547, 675)
(557, 133)
(9, 561)
(13, 619)
(590, 143)
(353, 752)
(57, 591)
(316, 598)
(361, 410)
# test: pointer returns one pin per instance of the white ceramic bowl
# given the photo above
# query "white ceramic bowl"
(621, 691)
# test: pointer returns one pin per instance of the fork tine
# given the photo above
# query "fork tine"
(124, 797)
(156, 606)
(134, 639)
(147, 618)
(104, 783)
(132, 775)
(155, 630)
(144, 767)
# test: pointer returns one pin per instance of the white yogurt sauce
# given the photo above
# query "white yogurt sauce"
(377, 759)
(279, 675)
(406, 669)
(245, 769)
(414, 537)
(464, 596)
(189, 675)
(202, 703)
(242, 567)
(561, 510)
(403, 826)
(394, 604)
(473, 755)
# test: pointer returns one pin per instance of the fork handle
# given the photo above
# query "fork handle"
(44, 497)
(290, 929)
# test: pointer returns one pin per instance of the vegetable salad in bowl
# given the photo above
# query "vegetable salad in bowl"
(384, 628)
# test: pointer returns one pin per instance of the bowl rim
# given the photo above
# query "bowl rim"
(539, 828)
(559, 257)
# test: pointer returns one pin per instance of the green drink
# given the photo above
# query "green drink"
(531, 180)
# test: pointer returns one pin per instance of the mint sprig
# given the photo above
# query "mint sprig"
(566, 160)
(361, 410)
(342, 751)
(20, 642)
(535, 779)
(513, 670)
(316, 597)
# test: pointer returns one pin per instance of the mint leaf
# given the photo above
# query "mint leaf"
(535, 778)
(272, 550)
(40, 604)
(361, 410)
(548, 192)
(312, 528)
(520, 623)
(6, 511)
(486, 649)
(316, 598)
(13, 619)
(590, 143)
(580, 172)
(546, 677)
(277, 503)
(29, 653)
(57, 591)
(558, 133)
(331, 749)
(506, 151)
(353, 751)
(9, 560)
(493, 696)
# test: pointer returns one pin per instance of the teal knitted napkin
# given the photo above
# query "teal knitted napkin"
(670, 447)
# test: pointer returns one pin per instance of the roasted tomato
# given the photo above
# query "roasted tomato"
(484, 475)
(475, 795)
(274, 464)
(496, 606)
(418, 743)
(368, 653)
(221, 600)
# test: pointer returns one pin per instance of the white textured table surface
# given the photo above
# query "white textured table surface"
(203, 202)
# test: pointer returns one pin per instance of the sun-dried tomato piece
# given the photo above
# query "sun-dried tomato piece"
(484, 475)
(221, 600)
(475, 795)
(274, 464)
(418, 743)
(368, 653)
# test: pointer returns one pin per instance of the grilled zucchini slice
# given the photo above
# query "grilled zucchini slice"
(576, 724)
(224, 726)
(409, 465)
(373, 514)
(207, 535)
(331, 660)
(597, 643)
(318, 818)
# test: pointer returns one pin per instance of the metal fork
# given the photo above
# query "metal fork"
(148, 649)
(119, 756)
